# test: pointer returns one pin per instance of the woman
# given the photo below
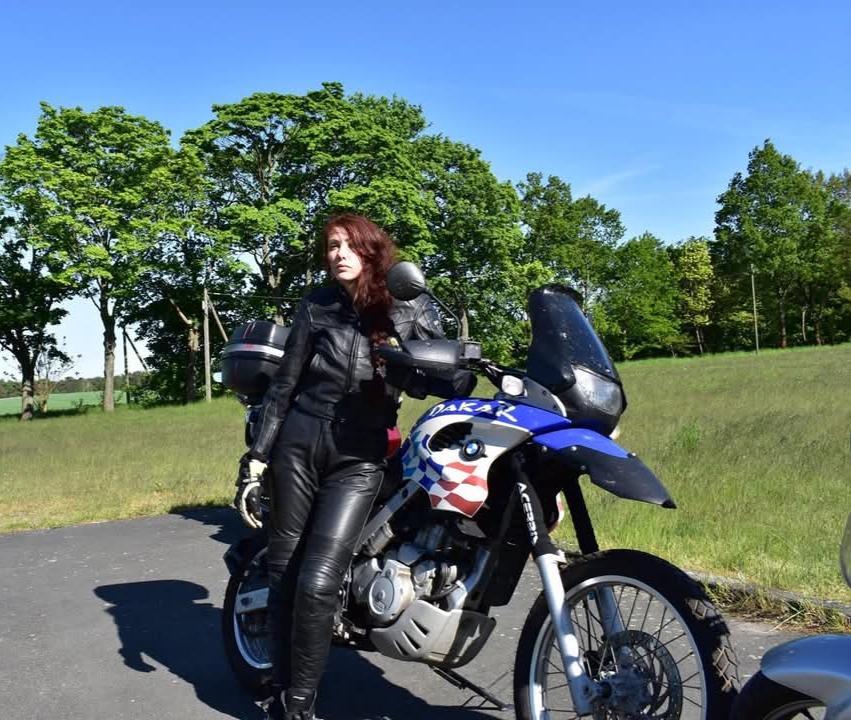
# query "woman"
(323, 431)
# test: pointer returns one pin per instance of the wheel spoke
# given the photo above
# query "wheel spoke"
(663, 678)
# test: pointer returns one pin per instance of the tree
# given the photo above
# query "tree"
(367, 157)
(693, 270)
(820, 277)
(639, 307)
(94, 183)
(29, 305)
(763, 223)
(280, 164)
(247, 149)
(574, 239)
(599, 230)
(190, 255)
(472, 247)
(51, 367)
(549, 221)
(826, 284)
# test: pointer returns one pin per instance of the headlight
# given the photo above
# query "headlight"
(602, 393)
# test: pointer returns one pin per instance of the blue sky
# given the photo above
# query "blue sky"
(650, 107)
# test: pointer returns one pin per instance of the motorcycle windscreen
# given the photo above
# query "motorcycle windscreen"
(562, 337)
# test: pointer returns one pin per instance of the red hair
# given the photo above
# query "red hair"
(377, 254)
(370, 296)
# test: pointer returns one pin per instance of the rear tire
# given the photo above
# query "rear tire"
(764, 699)
(246, 636)
(682, 663)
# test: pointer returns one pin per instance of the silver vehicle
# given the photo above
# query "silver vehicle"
(805, 678)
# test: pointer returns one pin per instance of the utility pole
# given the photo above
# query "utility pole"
(126, 368)
(205, 304)
(216, 317)
(755, 323)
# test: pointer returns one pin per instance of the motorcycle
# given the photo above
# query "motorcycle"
(808, 677)
(473, 491)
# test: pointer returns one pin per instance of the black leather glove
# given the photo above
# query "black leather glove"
(249, 484)
(410, 380)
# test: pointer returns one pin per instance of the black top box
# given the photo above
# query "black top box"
(251, 357)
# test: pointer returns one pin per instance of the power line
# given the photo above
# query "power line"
(257, 297)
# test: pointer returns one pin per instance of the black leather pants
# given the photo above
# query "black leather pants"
(324, 478)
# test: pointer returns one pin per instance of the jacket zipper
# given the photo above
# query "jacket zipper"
(355, 337)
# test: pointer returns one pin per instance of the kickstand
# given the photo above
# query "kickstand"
(463, 683)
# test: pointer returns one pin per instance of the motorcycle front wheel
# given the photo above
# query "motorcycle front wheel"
(764, 699)
(671, 659)
(246, 635)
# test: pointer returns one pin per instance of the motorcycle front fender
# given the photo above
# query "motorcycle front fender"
(608, 465)
(818, 666)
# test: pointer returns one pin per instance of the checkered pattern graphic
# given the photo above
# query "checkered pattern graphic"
(460, 485)
(451, 483)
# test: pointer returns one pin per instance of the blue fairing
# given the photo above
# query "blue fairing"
(578, 436)
(607, 464)
(527, 417)
(587, 452)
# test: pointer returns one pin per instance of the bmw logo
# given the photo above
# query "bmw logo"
(473, 450)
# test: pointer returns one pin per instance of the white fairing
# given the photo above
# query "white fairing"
(818, 666)
(453, 480)
(534, 394)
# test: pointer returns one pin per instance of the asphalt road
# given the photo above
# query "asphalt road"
(120, 621)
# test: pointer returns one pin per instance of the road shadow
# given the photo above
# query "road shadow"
(353, 688)
(172, 623)
(168, 621)
(227, 527)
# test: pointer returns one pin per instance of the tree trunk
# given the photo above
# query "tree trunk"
(465, 325)
(108, 363)
(27, 392)
(699, 337)
(585, 293)
(781, 309)
(804, 324)
(41, 390)
(193, 344)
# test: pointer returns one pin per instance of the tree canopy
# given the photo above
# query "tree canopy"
(93, 182)
(29, 305)
(104, 205)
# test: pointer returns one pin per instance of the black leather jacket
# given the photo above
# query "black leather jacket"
(326, 365)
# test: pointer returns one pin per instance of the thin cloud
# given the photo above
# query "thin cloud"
(609, 182)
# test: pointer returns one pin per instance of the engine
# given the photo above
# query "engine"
(425, 567)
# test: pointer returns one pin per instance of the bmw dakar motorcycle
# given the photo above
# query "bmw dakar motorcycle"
(805, 678)
(473, 491)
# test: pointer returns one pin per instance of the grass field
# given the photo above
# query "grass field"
(755, 450)
(60, 401)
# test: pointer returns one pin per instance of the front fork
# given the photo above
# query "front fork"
(549, 560)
